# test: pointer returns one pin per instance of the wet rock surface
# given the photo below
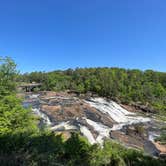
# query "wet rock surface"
(70, 109)
(128, 140)
(96, 119)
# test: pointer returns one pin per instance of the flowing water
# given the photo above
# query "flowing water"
(87, 133)
(120, 116)
(103, 131)
(63, 126)
(44, 117)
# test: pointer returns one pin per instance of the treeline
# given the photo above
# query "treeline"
(146, 87)
(23, 144)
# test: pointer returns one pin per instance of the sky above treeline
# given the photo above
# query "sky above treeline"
(45, 35)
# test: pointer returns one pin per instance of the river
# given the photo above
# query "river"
(120, 116)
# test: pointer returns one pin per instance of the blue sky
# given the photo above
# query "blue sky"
(59, 34)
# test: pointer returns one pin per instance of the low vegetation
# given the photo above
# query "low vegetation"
(162, 138)
(44, 148)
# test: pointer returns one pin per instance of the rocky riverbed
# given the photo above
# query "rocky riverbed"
(97, 119)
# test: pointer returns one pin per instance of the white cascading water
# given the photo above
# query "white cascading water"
(34, 96)
(43, 116)
(65, 125)
(152, 136)
(38, 112)
(121, 116)
(87, 133)
(116, 112)
(103, 131)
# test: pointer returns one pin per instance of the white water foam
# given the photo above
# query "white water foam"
(63, 126)
(116, 112)
(103, 131)
(43, 116)
(152, 136)
(34, 96)
(87, 133)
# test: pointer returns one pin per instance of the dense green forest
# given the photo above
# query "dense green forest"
(145, 87)
(22, 143)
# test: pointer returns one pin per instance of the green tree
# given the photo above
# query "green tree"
(7, 76)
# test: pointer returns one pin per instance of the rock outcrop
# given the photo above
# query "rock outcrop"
(95, 118)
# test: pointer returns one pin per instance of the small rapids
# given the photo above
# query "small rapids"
(87, 133)
(34, 98)
(44, 117)
(63, 126)
(121, 116)
(153, 136)
(103, 131)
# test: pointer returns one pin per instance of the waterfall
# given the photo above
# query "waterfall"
(121, 116)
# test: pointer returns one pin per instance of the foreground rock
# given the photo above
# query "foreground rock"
(161, 148)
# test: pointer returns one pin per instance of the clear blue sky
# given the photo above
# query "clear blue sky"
(59, 34)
